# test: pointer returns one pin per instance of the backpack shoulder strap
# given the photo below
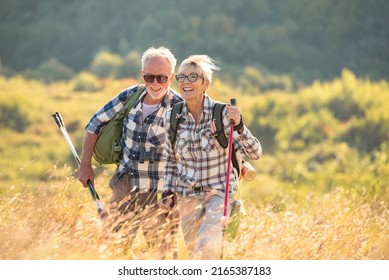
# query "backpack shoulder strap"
(174, 117)
(217, 115)
(130, 102)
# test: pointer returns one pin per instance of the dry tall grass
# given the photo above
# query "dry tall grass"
(58, 221)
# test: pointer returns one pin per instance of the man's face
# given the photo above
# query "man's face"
(159, 76)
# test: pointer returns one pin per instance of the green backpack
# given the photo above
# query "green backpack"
(217, 114)
(108, 149)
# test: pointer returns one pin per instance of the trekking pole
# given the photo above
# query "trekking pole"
(99, 205)
(226, 191)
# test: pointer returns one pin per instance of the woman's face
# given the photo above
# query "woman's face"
(192, 89)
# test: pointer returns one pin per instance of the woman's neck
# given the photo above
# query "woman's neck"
(195, 107)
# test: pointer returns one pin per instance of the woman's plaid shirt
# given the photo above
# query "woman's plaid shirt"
(197, 158)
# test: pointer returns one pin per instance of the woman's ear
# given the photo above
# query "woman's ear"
(206, 84)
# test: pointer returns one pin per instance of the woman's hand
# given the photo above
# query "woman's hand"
(233, 113)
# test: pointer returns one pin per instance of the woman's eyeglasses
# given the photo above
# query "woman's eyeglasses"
(191, 77)
(161, 79)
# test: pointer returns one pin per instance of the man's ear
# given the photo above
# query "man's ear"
(172, 76)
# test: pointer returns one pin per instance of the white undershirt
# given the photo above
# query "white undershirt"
(148, 109)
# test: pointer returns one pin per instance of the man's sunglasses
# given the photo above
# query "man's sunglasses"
(191, 77)
(161, 79)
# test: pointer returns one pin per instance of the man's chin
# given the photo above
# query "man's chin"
(158, 94)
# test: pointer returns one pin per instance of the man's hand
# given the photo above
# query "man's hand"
(86, 173)
(168, 200)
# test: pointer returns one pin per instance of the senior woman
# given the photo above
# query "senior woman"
(196, 164)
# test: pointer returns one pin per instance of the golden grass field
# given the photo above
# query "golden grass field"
(58, 221)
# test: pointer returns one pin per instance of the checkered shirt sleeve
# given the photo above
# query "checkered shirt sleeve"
(197, 157)
(136, 134)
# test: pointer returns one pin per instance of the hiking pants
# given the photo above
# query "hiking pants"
(142, 207)
(202, 224)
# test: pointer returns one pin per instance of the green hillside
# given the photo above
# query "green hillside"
(307, 40)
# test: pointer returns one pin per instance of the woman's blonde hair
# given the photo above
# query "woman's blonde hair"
(201, 61)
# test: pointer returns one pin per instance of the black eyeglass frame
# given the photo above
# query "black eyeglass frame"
(191, 77)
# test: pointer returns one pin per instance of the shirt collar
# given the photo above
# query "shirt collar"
(208, 104)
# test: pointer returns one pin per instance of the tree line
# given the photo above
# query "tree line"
(304, 39)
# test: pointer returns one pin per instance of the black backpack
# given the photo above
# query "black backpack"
(217, 114)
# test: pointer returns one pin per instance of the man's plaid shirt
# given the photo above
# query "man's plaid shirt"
(137, 133)
(198, 159)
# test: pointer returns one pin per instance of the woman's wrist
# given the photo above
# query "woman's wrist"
(239, 126)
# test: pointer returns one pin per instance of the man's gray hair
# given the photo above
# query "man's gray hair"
(203, 62)
(160, 52)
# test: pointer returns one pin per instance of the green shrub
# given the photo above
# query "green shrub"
(14, 116)
(86, 81)
(106, 64)
(50, 71)
(131, 65)
(345, 107)
(367, 135)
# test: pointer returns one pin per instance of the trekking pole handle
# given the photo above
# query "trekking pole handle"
(233, 103)
(58, 119)
(92, 190)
